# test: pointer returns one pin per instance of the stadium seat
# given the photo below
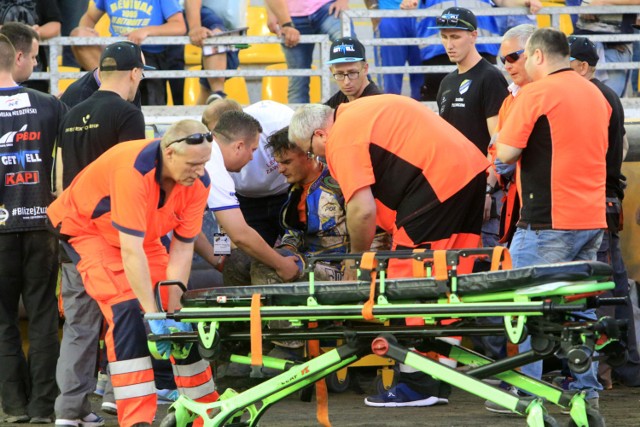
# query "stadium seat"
(235, 88)
(63, 84)
(102, 27)
(192, 55)
(275, 88)
(260, 53)
(566, 26)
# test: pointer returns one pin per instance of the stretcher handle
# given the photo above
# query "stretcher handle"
(156, 291)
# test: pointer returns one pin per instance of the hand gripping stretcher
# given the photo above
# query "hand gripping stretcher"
(368, 315)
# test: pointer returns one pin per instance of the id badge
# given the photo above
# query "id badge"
(221, 244)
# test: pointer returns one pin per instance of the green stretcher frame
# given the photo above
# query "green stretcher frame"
(544, 309)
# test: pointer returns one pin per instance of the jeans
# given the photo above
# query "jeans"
(531, 247)
(400, 55)
(263, 215)
(618, 79)
(301, 56)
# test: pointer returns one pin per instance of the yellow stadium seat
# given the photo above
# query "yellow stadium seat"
(566, 26)
(234, 87)
(63, 84)
(260, 53)
(192, 55)
(275, 88)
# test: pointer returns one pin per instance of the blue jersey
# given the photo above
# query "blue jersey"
(129, 15)
(487, 26)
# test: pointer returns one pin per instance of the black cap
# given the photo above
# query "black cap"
(583, 49)
(346, 49)
(457, 18)
(122, 56)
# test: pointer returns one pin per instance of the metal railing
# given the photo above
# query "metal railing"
(55, 45)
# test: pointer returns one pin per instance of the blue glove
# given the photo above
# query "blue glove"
(180, 326)
(160, 327)
(504, 169)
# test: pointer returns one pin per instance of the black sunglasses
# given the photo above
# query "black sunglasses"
(194, 139)
(512, 57)
(453, 21)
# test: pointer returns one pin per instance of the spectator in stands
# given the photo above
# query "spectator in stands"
(434, 54)
(390, 175)
(610, 52)
(29, 261)
(348, 64)
(236, 138)
(89, 129)
(202, 23)
(72, 11)
(159, 18)
(557, 132)
(470, 97)
(41, 15)
(291, 18)
(584, 59)
(396, 56)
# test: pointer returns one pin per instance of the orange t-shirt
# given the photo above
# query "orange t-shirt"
(412, 159)
(561, 123)
(120, 191)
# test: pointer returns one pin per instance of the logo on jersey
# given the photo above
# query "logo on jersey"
(464, 86)
(21, 178)
(86, 118)
(20, 158)
(21, 135)
(4, 215)
(14, 102)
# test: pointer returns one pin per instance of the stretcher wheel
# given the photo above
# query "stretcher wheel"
(594, 419)
(169, 420)
(334, 384)
(378, 384)
(579, 359)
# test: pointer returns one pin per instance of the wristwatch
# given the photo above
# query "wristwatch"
(489, 189)
(288, 24)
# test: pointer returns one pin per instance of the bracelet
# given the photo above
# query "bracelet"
(288, 24)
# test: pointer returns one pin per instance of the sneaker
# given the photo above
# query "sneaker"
(562, 382)
(498, 409)
(17, 419)
(593, 403)
(166, 396)
(101, 384)
(91, 420)
(40, 420)
(109, 408)
(402, 395)
(215, 96)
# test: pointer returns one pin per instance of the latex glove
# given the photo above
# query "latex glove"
(180, 326)
(504, 169)
(161, 327)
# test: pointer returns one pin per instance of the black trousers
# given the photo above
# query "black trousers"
(28, 268)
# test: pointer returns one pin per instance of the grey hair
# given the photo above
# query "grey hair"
(520, 32)
(180, 130)
(307, 119)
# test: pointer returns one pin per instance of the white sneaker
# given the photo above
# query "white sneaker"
(91, 420)
(109, 408)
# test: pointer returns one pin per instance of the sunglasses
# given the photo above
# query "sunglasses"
(194, 139)
(512, 57)
(453, 21)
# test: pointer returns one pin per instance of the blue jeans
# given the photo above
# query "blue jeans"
(618, 79)
(531, 247)
(301, 56)
(400, 55)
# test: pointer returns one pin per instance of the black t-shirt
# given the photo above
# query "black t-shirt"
(467, 100)
(29, 123)
(341, 98)
(616, 135)
(95, 125)
(84, 87)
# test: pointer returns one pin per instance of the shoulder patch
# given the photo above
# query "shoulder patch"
(330, 182)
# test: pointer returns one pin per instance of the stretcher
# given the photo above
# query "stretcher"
(368, 316)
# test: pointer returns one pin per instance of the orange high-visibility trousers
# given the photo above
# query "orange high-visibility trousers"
(132, 376)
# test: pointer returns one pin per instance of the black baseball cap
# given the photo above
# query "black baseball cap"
(122, 56)
(583, 49)
(346, 49)
(457, 18)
